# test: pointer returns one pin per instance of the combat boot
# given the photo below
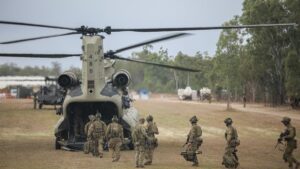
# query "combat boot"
(148, 163)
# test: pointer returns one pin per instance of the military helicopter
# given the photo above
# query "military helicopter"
(50, 94)
(101, 87)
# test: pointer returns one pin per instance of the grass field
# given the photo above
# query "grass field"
(27, 140)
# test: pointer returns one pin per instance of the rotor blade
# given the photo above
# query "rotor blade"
(37, 55)
(203, 28)
(148, 42)
(36, 25)
(156, 64)
(37, 38)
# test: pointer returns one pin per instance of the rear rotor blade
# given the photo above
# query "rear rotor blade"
(202, 28)
(37, 55)
(37, 38)
(156, 64)
(36, 25)
(147, 42)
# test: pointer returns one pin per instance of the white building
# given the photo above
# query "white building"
(26, 81)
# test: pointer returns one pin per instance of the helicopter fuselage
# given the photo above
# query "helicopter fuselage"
(95, 93)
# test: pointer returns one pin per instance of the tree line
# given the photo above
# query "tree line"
(261, 64)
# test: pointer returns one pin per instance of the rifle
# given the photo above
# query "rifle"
(187, 141)
(281, 136)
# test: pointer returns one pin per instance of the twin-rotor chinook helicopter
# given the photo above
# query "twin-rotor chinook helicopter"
(102, 87)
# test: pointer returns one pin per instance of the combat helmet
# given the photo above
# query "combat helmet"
(228, 121)
(149, 118)
(193, 119)
(286, 120)
(142, 120)
(91, 117)
(98, 115)
(115, 119)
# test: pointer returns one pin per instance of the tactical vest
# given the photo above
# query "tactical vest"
(98, 129)
(152, 129)
(198, 131)
(114, 131)
(137, 134)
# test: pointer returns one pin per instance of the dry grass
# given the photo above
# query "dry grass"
(27, 141)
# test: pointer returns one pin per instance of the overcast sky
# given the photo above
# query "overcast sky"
(114, 13)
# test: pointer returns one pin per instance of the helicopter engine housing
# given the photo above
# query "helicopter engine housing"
(121, 78)
(67, 80)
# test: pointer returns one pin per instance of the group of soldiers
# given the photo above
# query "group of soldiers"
(230, 158)
(145, 142)
(143, 138)
(98, 134)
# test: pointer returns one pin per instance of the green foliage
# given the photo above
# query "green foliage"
(14, 70)
(292, 70)
(263, 63)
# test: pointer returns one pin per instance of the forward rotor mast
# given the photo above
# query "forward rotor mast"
(93, 77)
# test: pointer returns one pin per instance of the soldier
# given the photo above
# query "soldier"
(139, 138)
(244, 100)
(291, 143)
(151, 130)
(230, 159)
(194, 141)
(115, 137)
(87, 147)
(96, 131)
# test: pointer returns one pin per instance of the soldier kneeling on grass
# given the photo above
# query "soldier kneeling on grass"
(193, 142)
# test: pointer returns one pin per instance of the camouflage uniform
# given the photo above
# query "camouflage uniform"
(139, 138)
(88, 144)
(97, 132)
(114, 134)
(230, 159)
(194, 140)
(291, 143)
(151, 130)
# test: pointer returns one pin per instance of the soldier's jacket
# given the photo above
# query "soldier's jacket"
(231, 136)
(290, 137)
(194, 134)
(139, 135)
(151, 129)
(114, 130)
(97, 129)
(86, 127)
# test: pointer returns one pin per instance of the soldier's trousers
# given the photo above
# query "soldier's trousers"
(230, 159)
(88, 146)
(139, 155)
(193, 149)
(114, 146)
(98, 146)
(149, 154)
(288, 155)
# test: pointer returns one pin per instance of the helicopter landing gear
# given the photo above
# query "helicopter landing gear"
(57, 145)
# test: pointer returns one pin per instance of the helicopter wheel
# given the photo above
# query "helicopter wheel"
(131, 146)
(57, 145)
(40, 105)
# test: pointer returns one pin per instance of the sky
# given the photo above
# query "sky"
(114, 13)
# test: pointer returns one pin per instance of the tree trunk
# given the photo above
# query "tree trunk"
(228, 100)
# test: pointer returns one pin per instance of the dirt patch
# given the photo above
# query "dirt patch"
(27, 141)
